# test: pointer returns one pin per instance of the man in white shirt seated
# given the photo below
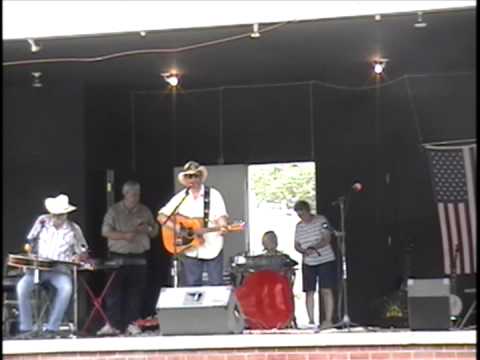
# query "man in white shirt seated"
(52, 237)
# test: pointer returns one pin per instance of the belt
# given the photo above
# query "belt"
(126, 259)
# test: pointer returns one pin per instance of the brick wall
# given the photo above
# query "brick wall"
(450, 352)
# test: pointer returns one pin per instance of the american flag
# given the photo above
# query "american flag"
(453, 170)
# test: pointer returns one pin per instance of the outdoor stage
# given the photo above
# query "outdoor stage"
(289, 344)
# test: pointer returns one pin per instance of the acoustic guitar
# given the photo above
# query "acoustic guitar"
(191, 237)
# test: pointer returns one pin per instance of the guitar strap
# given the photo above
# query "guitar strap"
(206, 205)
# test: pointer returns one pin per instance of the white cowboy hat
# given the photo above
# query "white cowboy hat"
(192, 167)
(59, 205)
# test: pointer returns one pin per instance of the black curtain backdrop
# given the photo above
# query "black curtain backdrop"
(370, 134)
(43, 155)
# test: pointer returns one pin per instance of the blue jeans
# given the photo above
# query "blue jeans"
(63, 285)
(194, 268)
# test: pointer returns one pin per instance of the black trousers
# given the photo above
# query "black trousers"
(125, 296)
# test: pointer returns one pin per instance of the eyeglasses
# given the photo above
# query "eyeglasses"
(192, 176)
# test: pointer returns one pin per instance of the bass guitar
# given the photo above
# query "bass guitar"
(191, 237)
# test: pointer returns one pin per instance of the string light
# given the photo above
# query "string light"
(36, 79)
(33, 46)
(420, 23)
(255, 34)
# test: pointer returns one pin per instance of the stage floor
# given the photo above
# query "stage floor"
(288, 338)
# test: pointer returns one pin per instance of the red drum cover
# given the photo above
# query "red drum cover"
(266, 300)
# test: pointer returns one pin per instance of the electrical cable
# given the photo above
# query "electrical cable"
(142, 51)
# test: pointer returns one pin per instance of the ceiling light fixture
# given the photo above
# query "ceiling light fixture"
(143, 33)
(379, 66)
(33, 47)
(378, 17)
(36, 79)
(255, 34)
(420, 23)
(171, 78)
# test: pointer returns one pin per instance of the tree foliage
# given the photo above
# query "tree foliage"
(284, 184)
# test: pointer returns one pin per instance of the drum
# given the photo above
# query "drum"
(266, 300)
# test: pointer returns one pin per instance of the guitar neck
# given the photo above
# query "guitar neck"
(210, 229)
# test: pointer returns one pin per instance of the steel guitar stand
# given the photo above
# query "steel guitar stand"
(342, 288)
(174, 270)
(37, 311)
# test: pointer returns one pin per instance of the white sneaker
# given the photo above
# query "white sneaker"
(133, 329)
(107, 330)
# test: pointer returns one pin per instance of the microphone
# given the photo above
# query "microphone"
(357, 186)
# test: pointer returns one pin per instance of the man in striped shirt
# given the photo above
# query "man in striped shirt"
(312, 240)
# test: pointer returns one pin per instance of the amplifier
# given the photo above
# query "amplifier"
(429, 304)
(199, 310)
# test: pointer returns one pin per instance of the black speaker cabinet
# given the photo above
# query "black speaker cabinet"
(199, 310)
(429, 304)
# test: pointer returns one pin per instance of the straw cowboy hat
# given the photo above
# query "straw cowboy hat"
(192, 167)
(59, 205)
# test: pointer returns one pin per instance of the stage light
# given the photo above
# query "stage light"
(36, 79)
(379, 66)
(420, 23)
(255, 34)
(33, 47)
(171, 78)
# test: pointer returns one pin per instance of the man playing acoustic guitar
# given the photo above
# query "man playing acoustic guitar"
(186, 232)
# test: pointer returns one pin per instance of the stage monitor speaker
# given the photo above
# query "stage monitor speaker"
(199, 310)
(429, 304)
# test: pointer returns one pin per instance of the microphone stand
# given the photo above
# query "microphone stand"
(173, 214)
(342, 201)
(38, 313)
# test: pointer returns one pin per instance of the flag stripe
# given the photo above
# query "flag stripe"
(445, 242)
(453, 234)
(465, 253)
(470, 164)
